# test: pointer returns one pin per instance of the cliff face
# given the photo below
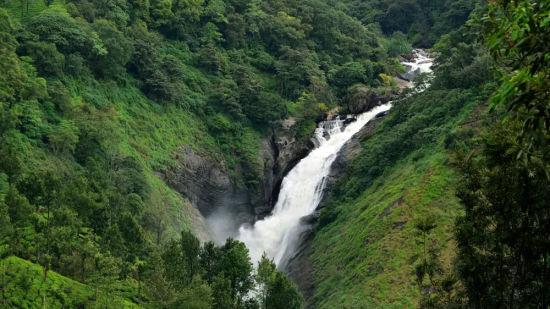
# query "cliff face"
(280, 152)
(209, 187)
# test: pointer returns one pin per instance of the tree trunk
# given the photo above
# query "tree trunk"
(44, 300)
(3, 283)
(159, 231)
(139, 284)
(83, 268)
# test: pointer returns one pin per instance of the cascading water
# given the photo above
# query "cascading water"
(422, 62)
(302, 189)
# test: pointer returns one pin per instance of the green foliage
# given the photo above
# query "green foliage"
(348, 74)
(398, 45)
(462, 62)
(517, 35)
(295, 69)
(46, 57)
(26, 288)
(275, 289)
(501, 238)
(422, 21)
(118, 50)
(368, 224)
(58, 28)
(282, 293)
(413, 124)
(129, 82)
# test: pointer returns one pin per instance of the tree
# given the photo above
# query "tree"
(175, 265)
(119, 50)
(347, 75)
(221, 290)
(5, 230)
(295, 68)
(518, 36)
(132, 233)
(63, 138)
(283, 294)
(61, 30)
(107, 269)
(48, 61)
(12, 76)
(190, 247)
(209, 261)
(503, 236)
(236, 266)
(265, 275)
(197, 295)
(428, 265)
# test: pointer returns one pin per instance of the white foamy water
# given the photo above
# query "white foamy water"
(422, 62)
(301, 190)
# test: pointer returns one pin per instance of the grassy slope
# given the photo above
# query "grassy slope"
(366, 257)
(369, 252)
(61, 292)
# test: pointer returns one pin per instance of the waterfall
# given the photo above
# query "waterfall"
(302, 189)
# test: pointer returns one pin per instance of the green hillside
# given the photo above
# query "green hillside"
(367, 246)
(25, 287)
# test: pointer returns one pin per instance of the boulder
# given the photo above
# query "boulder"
(361, 99)
(409, 74)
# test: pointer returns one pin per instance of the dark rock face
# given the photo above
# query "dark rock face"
(207, 184)
(299, 268)
(406, 57)
(280, 152)
(361, 99)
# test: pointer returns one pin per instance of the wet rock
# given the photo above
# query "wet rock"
(409, 74)
(361, 99)
(280, 152)
(298, 266)
(381, 114)
(349, 120)
(406, 57)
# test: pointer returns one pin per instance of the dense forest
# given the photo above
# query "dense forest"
(444, 207)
